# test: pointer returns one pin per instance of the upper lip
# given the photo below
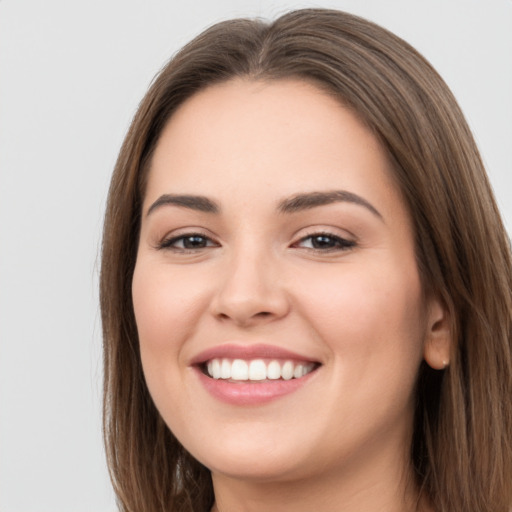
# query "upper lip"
(259, 351)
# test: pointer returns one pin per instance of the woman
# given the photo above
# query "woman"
(306, 284)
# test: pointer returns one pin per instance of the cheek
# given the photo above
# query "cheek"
(372, 324)
(165, 306)
(368, 315)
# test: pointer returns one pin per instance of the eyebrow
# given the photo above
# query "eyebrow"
(198, 203)
(293, 204)
(309, 200)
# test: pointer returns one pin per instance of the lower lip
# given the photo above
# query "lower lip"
(251, 393)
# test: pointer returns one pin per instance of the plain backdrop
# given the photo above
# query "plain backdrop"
(71, 76)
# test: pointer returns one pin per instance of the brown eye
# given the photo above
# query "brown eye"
(325, 242)
(188, 242)
(194, 242)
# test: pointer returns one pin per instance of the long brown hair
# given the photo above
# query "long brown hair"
(461, 449)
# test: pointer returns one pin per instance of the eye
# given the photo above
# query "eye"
(188, 242)
(325, 242)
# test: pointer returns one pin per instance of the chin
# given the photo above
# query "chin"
(258, 463)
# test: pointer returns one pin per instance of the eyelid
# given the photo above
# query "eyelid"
(344, 242)
(166, 243)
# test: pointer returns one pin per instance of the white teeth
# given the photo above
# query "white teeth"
(239, 370)
(273, 370)
(287, 370)
(257, 369)
(225, 369)
(216, 369)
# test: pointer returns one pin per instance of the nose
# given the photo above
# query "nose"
(250, 290)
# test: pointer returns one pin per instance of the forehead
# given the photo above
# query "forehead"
(262, 115)
(277, 137)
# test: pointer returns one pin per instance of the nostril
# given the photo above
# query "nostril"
(260, 315)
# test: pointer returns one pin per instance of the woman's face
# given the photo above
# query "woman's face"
(276, 292)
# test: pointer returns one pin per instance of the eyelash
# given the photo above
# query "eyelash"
(336, 242)
(170, 243)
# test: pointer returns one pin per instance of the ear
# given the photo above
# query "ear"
(438, 339)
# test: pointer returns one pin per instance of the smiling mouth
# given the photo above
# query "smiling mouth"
(256, 370)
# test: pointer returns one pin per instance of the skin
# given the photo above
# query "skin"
(341, 441)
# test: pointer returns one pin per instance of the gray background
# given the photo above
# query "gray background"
(71, 76)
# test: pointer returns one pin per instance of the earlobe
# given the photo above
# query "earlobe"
(438, 339)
